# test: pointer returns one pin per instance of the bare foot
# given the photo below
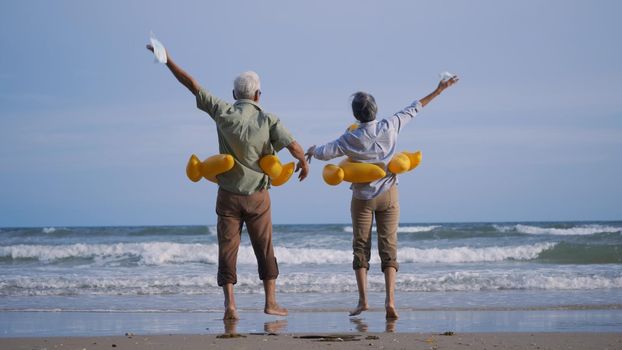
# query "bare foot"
(231, 314)
(275, 309)
(391, 312)
(362, 306)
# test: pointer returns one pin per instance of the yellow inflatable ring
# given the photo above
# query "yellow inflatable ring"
(209, 168)
(278, 173)
(367, 172)
(361, 172)
(193, 169)
(404, 161)
(332, 174)
(220, 163)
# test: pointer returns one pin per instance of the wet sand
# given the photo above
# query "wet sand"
(273, 341)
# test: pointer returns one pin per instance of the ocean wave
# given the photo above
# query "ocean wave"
(248, 283)
(123, 231)
(403, 229)
(526, 280)
(213, 230)
(569, 231)
(159, 253)
(152, 253)
(570, 253)
(472, 255)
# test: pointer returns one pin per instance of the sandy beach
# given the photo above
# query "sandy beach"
(273, 341)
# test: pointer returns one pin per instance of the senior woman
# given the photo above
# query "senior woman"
(374, 142)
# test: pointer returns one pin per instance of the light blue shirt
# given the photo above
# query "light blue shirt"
(371, 142)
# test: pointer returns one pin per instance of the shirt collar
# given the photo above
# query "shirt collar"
(243, 100)
(365, 124)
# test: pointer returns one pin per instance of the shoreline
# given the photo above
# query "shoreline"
(570, 307)
(304, 341)
(16, 324)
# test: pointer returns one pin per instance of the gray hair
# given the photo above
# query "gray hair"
(364, 106)
(245, 85)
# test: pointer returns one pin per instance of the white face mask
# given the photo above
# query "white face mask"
(446, 76)
(158, 49)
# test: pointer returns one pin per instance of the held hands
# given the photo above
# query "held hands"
(303, 166)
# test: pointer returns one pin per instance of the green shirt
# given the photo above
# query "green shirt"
(247, 133)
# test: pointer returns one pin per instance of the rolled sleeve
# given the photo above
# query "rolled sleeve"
(280, 137)
(401, 118)
(210, 104)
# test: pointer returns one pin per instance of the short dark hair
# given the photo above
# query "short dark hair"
(364, 107)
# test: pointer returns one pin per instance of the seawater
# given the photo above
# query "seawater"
(459, 266)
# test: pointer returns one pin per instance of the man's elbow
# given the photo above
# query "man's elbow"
(194, 87)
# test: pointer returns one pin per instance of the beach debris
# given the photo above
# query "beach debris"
(370, 337)
(114, 345)
(230, 335)
(448, 333)
(331, 337)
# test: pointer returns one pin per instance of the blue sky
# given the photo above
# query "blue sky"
(93, 132)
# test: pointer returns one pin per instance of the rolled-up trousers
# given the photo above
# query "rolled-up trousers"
(233, 211)
(386, 208)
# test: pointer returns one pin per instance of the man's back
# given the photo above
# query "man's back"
(247, 133)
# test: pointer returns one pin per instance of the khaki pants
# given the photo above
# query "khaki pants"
(386, 208)
(253, 210)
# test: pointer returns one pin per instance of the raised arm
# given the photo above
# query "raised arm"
(297, 152)
(444, 84)
(184, 78)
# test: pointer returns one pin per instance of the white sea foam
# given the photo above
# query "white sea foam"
(471, 255)
(524, 280)
(152, 253)
(48, 230)
(404, 229)
(159, 253)
(248, 283)
(571, 231)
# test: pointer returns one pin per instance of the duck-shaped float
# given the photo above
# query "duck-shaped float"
(220, 163)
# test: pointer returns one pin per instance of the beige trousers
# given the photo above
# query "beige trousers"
(386, 208)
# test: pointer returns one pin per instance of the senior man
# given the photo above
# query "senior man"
(246, 132)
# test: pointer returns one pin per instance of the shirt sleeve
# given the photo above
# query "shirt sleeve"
(329, 151)
(279, 135)
(401, 118)
(210, 104)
